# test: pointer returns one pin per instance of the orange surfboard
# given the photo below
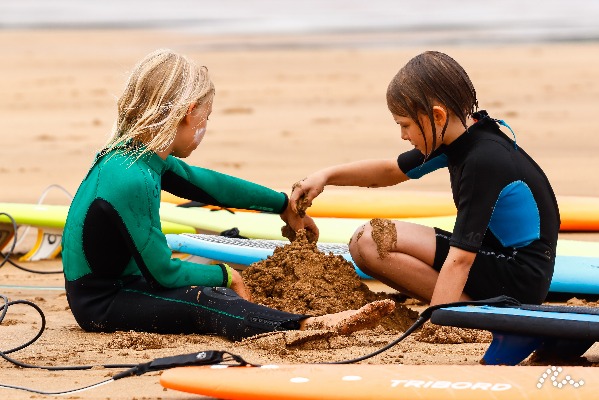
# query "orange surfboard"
(367, 381)
(369, 203)
(578, 213)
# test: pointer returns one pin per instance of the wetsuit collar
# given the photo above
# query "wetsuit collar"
(152, 159)
(462, 143)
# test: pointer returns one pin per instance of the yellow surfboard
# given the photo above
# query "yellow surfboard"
(49, 221)
(333, 230)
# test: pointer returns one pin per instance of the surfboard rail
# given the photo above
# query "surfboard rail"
(367, 381)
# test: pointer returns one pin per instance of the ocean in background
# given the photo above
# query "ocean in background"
(417, 21)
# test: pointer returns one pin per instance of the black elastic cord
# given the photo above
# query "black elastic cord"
(426, 315)
(6, 257)
(60, 393)
(3, 353)
(207, 357)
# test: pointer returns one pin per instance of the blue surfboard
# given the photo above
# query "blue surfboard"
(573, 274)
(552, 331)
(239, 251)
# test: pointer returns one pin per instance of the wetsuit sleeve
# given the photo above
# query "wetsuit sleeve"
(125, 212)
(159, 266)
(412, 163)
(215, 188)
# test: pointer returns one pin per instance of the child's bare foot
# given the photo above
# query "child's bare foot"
(346, 322)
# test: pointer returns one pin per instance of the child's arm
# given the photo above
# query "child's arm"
(365, 173)
(453, 276)
(212, 187)
(216, 188)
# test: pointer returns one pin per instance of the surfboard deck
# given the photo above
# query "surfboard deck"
(573, 274)
(49, 221)
(367, 381)
(370, 203)
(239, 251)
(54, 216)
(268, 226)
(554, 331)
(578, 213)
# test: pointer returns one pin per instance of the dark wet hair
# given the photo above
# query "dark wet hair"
(432, 77)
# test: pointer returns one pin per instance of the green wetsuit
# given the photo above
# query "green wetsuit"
(115, 254)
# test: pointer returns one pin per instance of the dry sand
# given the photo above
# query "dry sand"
(278, 115)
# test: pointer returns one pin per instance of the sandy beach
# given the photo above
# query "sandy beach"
(279, 113)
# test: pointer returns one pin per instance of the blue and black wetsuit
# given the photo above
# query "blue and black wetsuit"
(119, 270)
(506, 212)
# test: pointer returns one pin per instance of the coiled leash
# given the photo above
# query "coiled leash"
(158, 364)
(207, 357)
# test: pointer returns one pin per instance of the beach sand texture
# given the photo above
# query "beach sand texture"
(279, 113)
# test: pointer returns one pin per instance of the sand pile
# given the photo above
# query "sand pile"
(301, 279)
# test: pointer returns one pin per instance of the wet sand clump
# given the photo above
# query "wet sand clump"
(302, 204)
(384, 234)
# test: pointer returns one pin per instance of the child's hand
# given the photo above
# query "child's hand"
(295, 222)
(303, 192)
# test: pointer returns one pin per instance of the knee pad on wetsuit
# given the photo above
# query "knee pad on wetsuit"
(258, 317)
(219, 293)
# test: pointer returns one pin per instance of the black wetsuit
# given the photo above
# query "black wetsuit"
(119, 270)
(506, 212)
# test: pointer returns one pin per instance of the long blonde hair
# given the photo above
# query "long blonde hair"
(157, 96)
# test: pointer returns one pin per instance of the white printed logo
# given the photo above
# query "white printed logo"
(463, 385)
(552, 373)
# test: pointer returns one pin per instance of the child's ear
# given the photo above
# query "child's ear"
(439, 115)
(190, 109)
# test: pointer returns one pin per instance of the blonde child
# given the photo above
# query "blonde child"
(505, 234)
(120, 274)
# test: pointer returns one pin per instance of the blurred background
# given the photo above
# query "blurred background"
(423, 21)
(300, 84)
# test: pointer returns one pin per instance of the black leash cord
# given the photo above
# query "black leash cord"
(426, 315)
(6, 257)
(200, 358)
(64, 392)
(3, 353)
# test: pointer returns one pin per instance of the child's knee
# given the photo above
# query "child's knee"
(361, 244)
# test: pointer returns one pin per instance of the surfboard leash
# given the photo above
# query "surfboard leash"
(499, 301)
(6, 257)
(206, 357)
